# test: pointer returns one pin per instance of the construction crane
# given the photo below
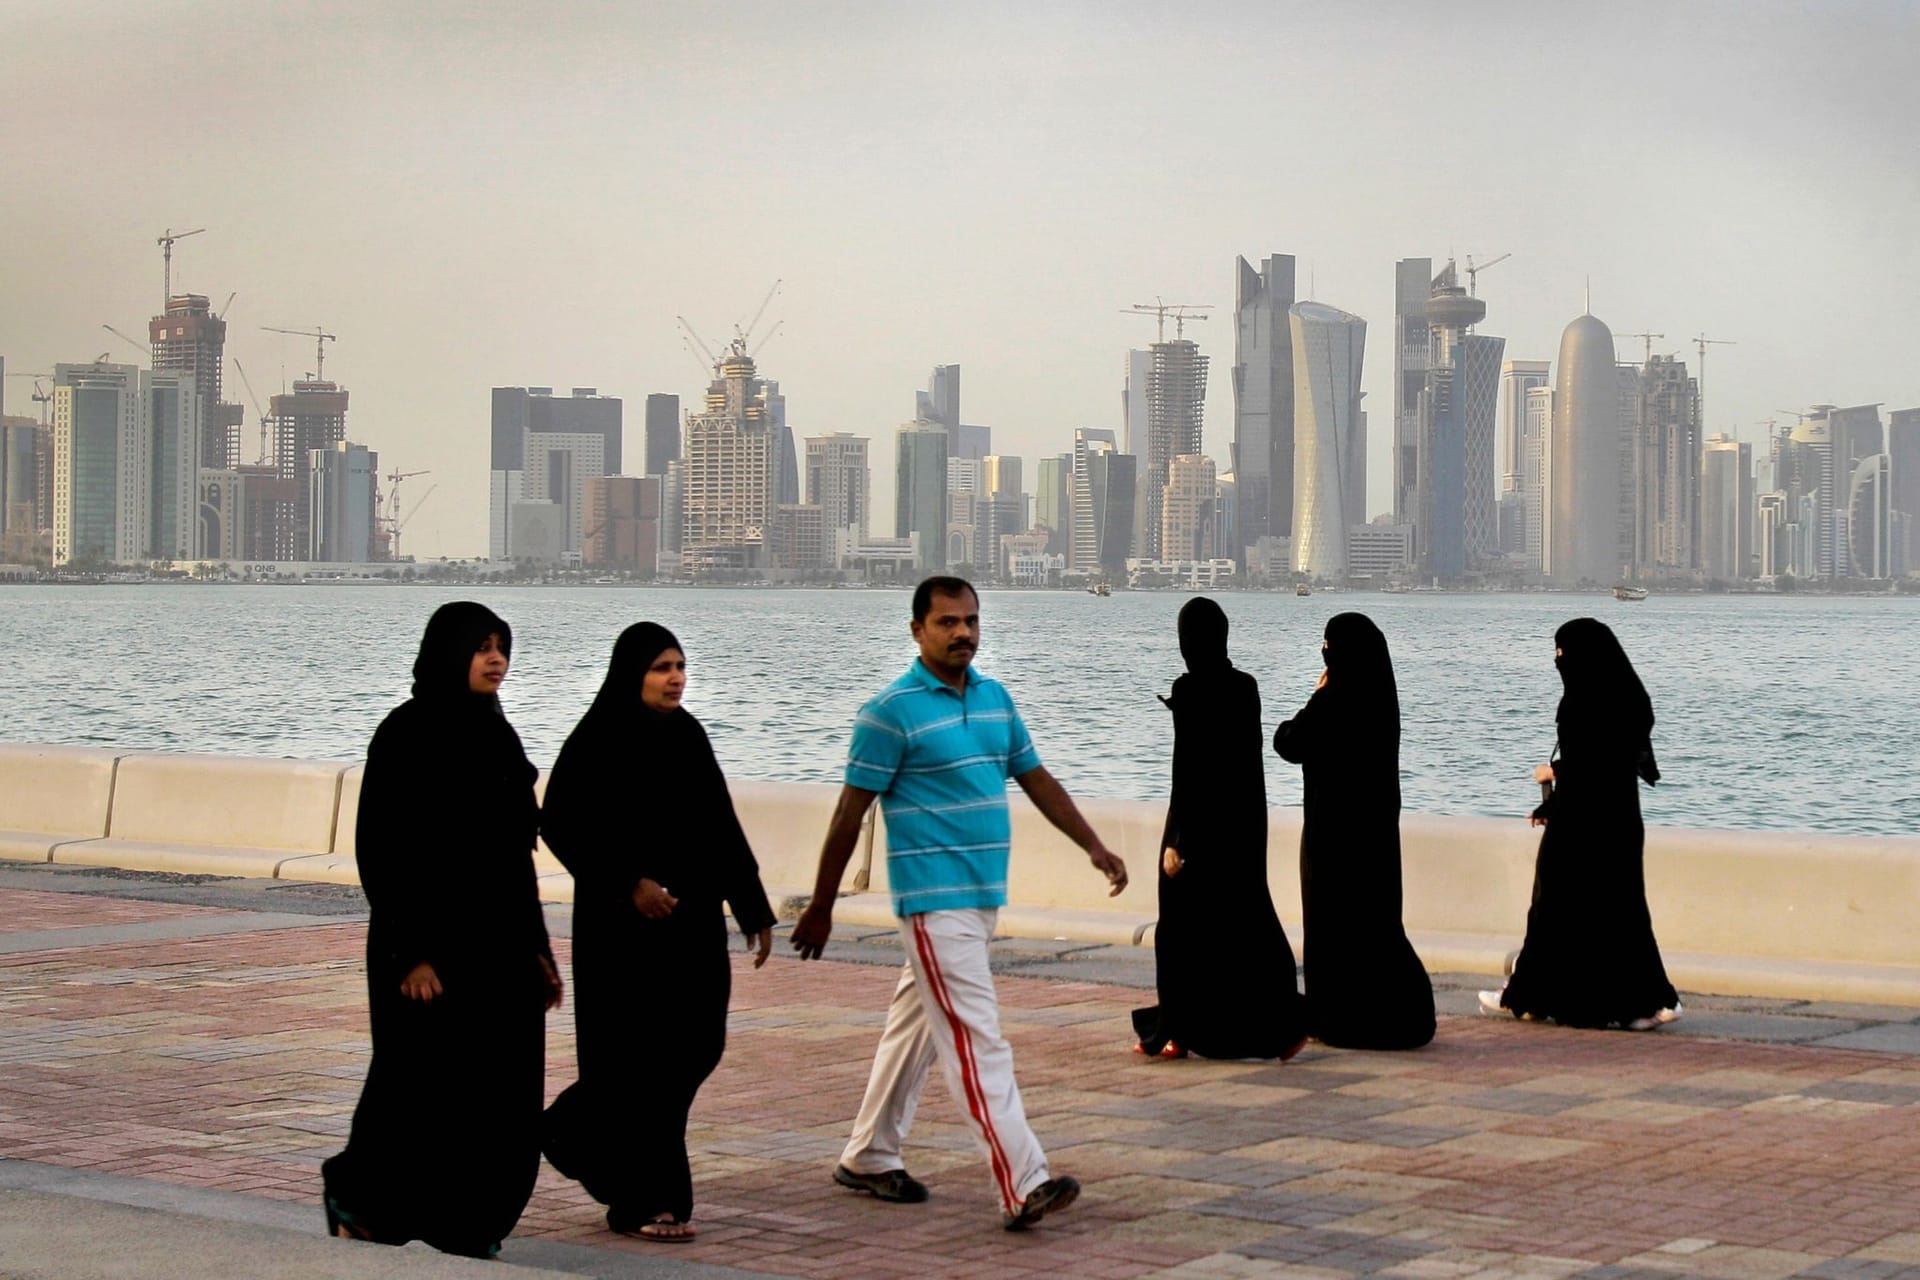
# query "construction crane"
(1180, 311)
(221, 314)
(1703, 342)
(391, 500)
(1473, 271)
(742, 336)
(397, 522)
(320, 340)
(165, 242)
(130, 341)
(1649, 337)
(41, 396)
(266, 448)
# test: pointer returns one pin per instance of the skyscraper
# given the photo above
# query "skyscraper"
(1263, 407)
(174, 413)
(1665, 473)
(343, 479)
(1726, 509)
(1092, 500)
(1536, 472)
(1187, 518)
(1002, 474)
(840, 480)
(519, 410)
(99, 464)
(1412, 284)
(1903, 456)
(1584, 484)
(920, 489)
(732, 469)
(190, 339)
(1870, 552)
(1328, 348)
(663, 432)
(940, 403)
(623, 522)
(1053, 501)
(312, 416)
(1176, 408)
(1517, 377)
(559, 466)
(1456, 527)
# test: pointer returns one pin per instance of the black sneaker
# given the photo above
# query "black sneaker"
(1050, 1196)
(896, 1186)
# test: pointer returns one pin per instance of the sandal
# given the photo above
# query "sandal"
(662, 1228)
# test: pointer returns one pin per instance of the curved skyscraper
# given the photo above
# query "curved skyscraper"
(1584, 492)
(1328, 438)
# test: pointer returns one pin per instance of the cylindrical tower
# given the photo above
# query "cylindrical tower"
(1583, 496)
(1327, 348)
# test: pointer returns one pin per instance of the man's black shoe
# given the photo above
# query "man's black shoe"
(895, 1185)
(1049, 1197)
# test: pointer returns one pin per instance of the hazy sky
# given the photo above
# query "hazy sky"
(474, 194)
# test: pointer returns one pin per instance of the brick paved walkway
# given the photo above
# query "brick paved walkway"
(1504, 1149)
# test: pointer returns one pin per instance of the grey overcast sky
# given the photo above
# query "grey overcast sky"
(491, 193)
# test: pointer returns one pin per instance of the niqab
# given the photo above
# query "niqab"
(1603, 699)
(1203, 636)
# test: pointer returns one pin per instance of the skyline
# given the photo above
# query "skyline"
(548, 235)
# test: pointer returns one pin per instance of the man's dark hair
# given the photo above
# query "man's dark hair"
(939, 584)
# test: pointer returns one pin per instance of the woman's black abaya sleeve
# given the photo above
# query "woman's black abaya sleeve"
(392, 832)
(579, 822)
(1298, 738)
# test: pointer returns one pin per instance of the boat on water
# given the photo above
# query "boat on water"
(1302, 589)
(1099, 589)
(1629, 593)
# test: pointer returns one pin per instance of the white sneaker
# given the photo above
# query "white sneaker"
(1490, 1003)
(1664, 1016)
(1643, 1024)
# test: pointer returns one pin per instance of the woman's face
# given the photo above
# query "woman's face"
(489, 666)
(666, 681)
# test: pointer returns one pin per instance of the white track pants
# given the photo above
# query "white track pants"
(945, 1007)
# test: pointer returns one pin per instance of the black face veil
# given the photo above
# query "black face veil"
(1203, 635)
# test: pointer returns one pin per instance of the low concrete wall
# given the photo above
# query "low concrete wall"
(1778, 914)
(52, 794)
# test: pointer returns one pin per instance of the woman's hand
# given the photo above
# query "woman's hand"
(1543, 773)
(551, 976)
(421, 983)
(652, 900)
(762, 943)
(1171, 861)
(1321, 683)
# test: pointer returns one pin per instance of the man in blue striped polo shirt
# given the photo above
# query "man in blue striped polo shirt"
(937, 747)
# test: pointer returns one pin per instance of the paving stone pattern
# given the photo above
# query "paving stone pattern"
(232, 1061)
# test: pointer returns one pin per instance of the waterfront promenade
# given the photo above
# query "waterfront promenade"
(197, 1045)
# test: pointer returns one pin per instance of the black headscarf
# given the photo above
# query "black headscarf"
(1603, 694)
(1203, 636)
(633, 653)
(1359, 668)
(454, 634)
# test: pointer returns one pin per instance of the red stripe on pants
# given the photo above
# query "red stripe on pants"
(969, 1070)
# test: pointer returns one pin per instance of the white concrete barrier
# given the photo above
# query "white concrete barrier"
(50, 795)
(213, 815)
(1755, 913)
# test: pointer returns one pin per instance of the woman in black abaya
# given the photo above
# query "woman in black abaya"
(445, 1143)
(638, 811)
(1224, 970)
(1590, 959)
(1366, 988)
